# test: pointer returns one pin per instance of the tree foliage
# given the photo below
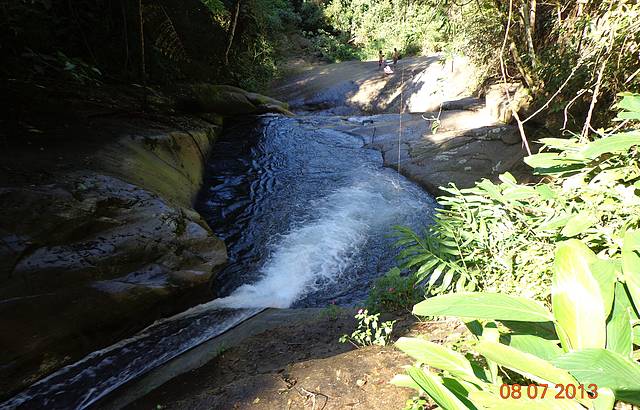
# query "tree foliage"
(500, 237)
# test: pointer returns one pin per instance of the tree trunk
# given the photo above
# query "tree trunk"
(232, 33)
(524, 71)
(143, 68)
(529, 17)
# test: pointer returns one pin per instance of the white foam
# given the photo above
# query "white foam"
(321, 250)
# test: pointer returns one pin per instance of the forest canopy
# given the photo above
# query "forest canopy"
(582, 48)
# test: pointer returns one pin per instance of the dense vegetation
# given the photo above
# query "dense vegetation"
(586, 50)
(572, 242)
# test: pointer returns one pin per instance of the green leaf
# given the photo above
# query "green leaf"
(579, 223)
(403, 380)
(576, 297)
(518, 193)
(554, 223)
(478, 305)
(526, 364)
(545, 330)
(474, 327)
(628, 116)
(433, 386)
(614, 144)
(605, 400)
(438, 356)
(619, 332)
(631, 265)
(490, 333)
(561, 144)
(507, 178)
(537, 346)
(605, 369)
(605, 272)
(629, 102)
(460, 388)
(549, 160)
(545, 191)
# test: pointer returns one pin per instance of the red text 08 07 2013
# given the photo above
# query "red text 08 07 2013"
(541, 391)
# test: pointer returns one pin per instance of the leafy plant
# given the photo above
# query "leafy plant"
(394, 292)
(369, 331)
(586, 339)
(500, 237)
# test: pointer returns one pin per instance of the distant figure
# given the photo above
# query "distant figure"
(387, 70)
(395, 56)
(380, 59)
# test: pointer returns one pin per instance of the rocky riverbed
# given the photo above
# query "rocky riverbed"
(98, 236)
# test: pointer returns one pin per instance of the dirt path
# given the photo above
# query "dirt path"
(298, 366)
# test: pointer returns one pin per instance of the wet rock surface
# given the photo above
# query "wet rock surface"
(455, 153)
(88, 256)
(446, 135)
(98, 237)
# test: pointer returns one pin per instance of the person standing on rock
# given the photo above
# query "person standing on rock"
(380, 59)
(395, 56)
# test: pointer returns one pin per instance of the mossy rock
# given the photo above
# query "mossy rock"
(227, 100)
(220, 99)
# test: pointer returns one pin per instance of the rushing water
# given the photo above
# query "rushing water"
(305, 212)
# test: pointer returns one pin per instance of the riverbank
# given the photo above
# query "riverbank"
(292, 362)
(453, 129)
(297, 362)
(98, 234)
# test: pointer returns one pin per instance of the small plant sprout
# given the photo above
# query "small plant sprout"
(369, 331)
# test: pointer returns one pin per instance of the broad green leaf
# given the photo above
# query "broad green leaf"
(631, 265)
(537, 346)
(605, 369)
(605, 272)
(438, 356)
(479, 305)
(629, 116)
(629, 102)
(486, 400)
(579, 223)
(507, 178)
(460, 388)
(576, 297)
(605, 400)
(474, 327)
(518, 193)
(490, 333)
(619, 333)
(636, 335)
(526, 364)
(545, 330)
(549, 160)
(491, 190)
(614, 144)
(561, 144)
(403, 380)
(432, 385)
(545, 191)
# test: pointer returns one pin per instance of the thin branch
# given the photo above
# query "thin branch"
(546, 105)
(523, 135)
(566, 108)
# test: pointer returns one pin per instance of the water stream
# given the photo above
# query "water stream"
(306, 214)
